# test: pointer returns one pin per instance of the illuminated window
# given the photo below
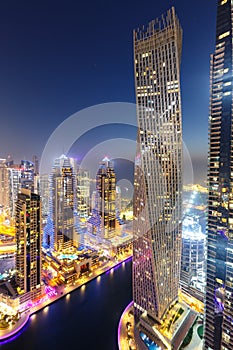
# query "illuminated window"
(221, 36)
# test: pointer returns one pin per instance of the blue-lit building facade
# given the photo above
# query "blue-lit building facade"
(219, 284)
(193, 255)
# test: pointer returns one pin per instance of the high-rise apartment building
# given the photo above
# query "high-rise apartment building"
(219, 286)
(106, 191)
(158, 168)
(14, 186)
(36, 164)
(4, 184)
(27, 175)
(83, 193)
(28, 244)
(60, 228)
(45, 194)
(118, 201)
(193, 256)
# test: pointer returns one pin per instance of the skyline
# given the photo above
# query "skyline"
(57, 233)
(53, 66)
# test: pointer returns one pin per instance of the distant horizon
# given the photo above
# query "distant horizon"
(59, 58)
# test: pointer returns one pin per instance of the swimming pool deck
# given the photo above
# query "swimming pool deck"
(183, 327)
(196, 342)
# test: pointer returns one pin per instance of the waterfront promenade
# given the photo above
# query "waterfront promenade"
(61, 292)
(12, 330)
(123, 341)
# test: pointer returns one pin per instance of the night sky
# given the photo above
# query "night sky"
(58, 57)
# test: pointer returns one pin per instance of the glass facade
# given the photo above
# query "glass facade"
(83, 193)
(60, 230)
(158, 167)
(219, 288)
(4, 184)
(106, 204)
(193, 255)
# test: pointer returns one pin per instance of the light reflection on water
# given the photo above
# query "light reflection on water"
(46, 309)
(98, 279)
(94, 309)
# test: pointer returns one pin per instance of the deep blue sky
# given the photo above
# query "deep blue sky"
(58, 57)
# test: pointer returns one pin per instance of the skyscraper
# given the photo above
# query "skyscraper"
(219, 288)
(102, 222)
(28, 244)
(60, 228)
(36, 164)
(44, 193)
(193, 256)
(118, 201)
(27, 175)
(4, 184)
(106, 190)
(14, 186)
(83, 193)
(158, 168)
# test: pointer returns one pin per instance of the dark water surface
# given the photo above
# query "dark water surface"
(87, 320)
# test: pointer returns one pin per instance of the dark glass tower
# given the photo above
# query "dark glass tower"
(219, 289)
(106, 189)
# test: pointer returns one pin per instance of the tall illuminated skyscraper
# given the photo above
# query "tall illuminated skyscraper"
(106, 190)
(27, 175)
(45, 195)
(83, 193)
(28, 244)
(14, 186)
(158, 168)
(219, 288)
(4, 184)
(193, 256)
(60, 228)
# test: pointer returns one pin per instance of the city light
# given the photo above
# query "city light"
(110, 211)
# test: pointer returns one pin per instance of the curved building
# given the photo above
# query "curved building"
(158, 168)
